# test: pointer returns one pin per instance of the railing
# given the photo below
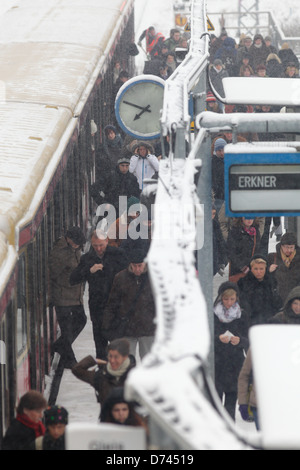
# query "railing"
(266, 24)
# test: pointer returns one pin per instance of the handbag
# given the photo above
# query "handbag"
(236, 277)
(118, 324)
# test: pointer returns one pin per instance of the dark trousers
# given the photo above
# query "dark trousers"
(72, 321)
(230, 400)
(100, 342)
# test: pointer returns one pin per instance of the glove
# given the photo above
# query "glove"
(244, 412)
(221, 271)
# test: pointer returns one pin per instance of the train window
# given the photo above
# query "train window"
(21, 321)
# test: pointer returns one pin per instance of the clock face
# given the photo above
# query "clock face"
(138, 106)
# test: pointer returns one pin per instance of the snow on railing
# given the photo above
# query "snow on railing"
(171, 382)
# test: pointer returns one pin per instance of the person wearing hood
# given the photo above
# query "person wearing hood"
(290, 315)
(131, 301)
(231, 341)
(228, 55)
(116, 410)
(259, 51)
(143, 164)
(67, 299)
(274, 66)
(106, 375)
(285, 264)
(259, 293)
(287, 56)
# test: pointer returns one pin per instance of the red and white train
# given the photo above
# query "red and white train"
(57, 60)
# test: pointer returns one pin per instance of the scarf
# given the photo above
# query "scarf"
(121, 371)
(251, 231)
(227, 316)
(38, 428)
(287, 259)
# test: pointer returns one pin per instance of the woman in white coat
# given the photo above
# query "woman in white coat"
(143, 164)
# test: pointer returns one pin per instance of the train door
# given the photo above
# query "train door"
(21, 329)
(7, 370)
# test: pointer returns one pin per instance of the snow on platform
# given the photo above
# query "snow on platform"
(78, 397)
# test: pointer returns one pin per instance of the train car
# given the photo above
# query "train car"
(57, 60)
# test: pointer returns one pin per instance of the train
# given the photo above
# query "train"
(57, 68)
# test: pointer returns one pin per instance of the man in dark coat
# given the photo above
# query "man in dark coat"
(131, 298)
(98, 268)
(67, 299)
(120, 183)
(216, 73)
(218, 179)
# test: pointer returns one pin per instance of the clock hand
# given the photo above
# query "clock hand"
(137, 106)
(145, 110)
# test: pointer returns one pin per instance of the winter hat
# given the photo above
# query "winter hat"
(289, 239)
(137, 256)
(218, 62)
(124, 160)
(226, 286)
(56, 415)
(258, 36)
(210, 97)
(76, 235)
(219, 144)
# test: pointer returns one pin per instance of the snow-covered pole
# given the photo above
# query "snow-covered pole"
(176, 118)
(172, 381)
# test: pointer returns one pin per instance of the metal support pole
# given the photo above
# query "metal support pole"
(205, 255)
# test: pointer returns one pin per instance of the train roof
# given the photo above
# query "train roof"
(51, 55)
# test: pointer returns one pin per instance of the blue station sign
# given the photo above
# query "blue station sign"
(262, 184)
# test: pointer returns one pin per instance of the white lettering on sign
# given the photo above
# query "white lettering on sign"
(257, 182)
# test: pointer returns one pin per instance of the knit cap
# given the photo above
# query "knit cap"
(56, 415)
(220, 144)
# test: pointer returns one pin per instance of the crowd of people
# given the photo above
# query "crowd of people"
(262, 288)
(252, 56)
